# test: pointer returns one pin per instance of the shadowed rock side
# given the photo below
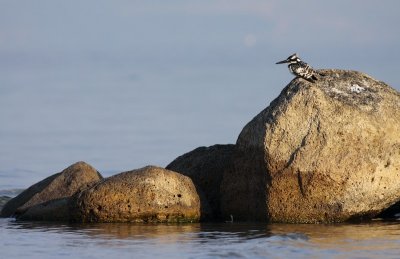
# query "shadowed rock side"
(150, 194)
(61, 185)
(393, 212)
(243, 188)
(52, 210)
(3, 201)
(323, 152)
(205, 166)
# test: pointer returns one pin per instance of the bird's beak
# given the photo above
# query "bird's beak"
(283, 61)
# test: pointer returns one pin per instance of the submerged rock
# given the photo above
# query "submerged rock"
(150, 194)
(206, 166)
(322, 152)
(61, 185)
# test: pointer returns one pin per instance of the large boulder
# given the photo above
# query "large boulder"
(321, 152)
(206, 166)
(61, 185)
(149, 194)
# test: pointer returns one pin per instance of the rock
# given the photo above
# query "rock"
(149, 194)
(205, 166)
(322, 152)
(392, 212)
(52, 210)
(61, 185)
(243, 188)
(3, 201)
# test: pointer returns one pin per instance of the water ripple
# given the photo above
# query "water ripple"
(246, 240)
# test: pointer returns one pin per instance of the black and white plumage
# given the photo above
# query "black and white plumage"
(300, 68)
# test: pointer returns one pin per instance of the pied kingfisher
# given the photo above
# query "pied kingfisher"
(300, 68)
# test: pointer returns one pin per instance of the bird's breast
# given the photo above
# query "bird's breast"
(296, 69)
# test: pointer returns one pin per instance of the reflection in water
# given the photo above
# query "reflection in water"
(373, 239)
(320, 232)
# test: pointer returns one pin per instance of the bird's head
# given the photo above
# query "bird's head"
(291, 59)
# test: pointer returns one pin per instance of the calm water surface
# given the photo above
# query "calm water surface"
(247, 240)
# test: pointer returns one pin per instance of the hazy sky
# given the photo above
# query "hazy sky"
(170, 75)
(361, 35)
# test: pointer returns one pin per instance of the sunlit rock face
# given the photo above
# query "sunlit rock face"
(150, 194)
(33, 203)
(327, 151)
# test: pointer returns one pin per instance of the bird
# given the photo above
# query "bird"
(300, 68)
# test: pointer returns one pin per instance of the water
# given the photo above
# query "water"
(231, 240)
(124, 84)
